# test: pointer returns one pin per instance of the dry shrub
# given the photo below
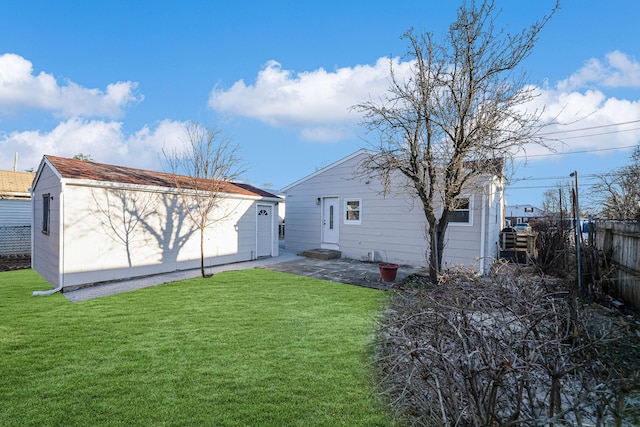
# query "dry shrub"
(554, 249)
(508, 349)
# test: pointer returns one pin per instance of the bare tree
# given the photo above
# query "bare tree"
(556, 201)
(84, 157)
(461, 107)
(203, 170)
(553, 241)
(616, 195)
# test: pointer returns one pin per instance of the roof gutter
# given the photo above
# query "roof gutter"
(14, 195)
(162, 190)
(483, 232)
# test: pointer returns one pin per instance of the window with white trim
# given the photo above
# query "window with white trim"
(462, 214)
(353, 211)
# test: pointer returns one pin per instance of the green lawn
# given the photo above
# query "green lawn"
(243, 348)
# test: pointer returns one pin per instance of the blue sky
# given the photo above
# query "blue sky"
(118, 79)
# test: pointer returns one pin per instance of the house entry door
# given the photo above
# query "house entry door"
(264, 231)
(330, 223)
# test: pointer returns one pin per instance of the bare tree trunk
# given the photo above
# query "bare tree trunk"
(433, 255)
(436, 232)
(202, 253)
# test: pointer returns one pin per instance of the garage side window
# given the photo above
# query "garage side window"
(353, 211)
(462, 215)
(45, 212)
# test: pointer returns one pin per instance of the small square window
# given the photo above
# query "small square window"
(462, 214)
(352, 209)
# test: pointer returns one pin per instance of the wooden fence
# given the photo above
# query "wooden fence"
(518, 247)
(621, 241)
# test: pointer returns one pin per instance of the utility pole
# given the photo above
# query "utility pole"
(578, 229)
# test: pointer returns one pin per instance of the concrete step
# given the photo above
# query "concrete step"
(322, 254)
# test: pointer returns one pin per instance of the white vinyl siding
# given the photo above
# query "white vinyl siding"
(497, 220)
(99, 241)
(392, 227)
(45, 250)
(165, 240)
(463, 240)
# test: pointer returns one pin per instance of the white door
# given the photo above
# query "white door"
(264, 230)
(330, 221)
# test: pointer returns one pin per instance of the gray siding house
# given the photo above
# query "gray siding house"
(15, 212)
(94, 222)
(518, 214)
(337, 208)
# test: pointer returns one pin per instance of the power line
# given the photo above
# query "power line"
(563, 177)
(590, 128)
(575, 152)
(599, 134)
(548, 178)
(585, 177)
(524, 156)
(530, 187)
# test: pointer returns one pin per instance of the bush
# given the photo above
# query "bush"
(509, 349)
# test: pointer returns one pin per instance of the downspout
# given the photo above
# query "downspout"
(61, 250)
(482, 233)
(33, 215)
(49, 292)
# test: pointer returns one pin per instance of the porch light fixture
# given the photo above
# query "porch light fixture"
(318, 201)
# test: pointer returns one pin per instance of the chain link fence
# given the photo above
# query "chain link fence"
(15, 240)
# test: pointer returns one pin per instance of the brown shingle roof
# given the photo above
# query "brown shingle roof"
(81, 169)
(12, 183)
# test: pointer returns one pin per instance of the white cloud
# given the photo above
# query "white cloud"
(316, 102)
(21, 89)
(146, 145)
(618, 70)
(586, 120)
(104, 141)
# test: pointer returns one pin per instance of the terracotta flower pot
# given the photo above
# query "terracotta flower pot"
(388, 271)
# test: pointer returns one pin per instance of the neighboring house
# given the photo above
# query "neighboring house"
(523, 214)
(281, 218)
(95, 222)
(15, 212)
(336, 208)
